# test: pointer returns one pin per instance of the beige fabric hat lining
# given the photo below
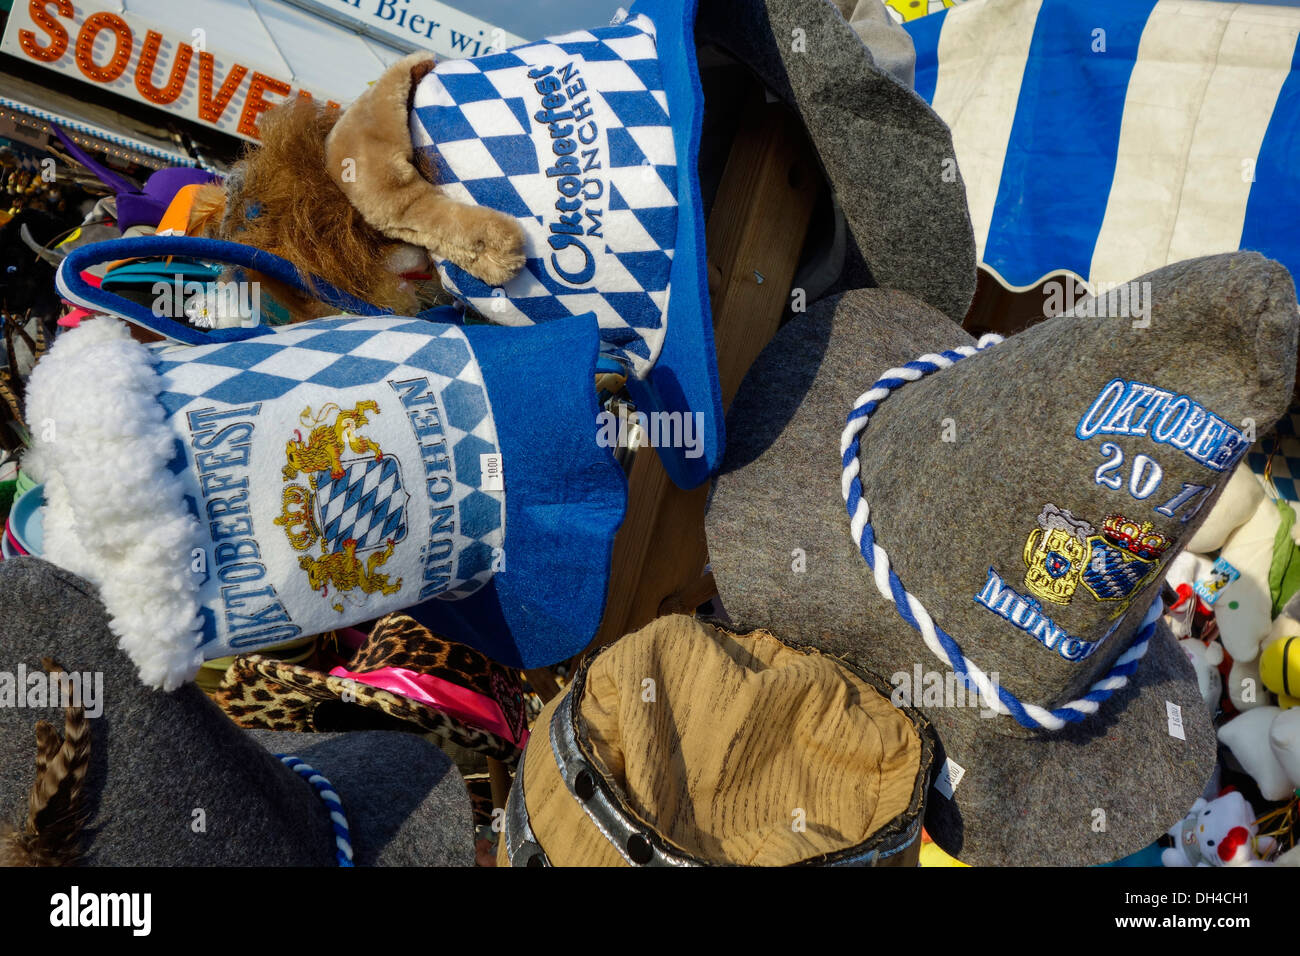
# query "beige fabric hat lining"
(737, 749)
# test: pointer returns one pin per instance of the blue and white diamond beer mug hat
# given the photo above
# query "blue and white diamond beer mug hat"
(234, 496)
(988, 525)
(591, 141)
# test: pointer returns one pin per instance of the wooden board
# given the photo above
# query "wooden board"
(755, 234)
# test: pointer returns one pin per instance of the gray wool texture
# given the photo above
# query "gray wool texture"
(1223, 330)
(888, 157)
(156, 758)
(890, 45)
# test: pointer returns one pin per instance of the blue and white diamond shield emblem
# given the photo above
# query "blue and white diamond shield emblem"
(366, 504)
(1112, 574)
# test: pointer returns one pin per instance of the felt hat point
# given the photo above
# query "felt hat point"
(155, 757)
(1027, 496)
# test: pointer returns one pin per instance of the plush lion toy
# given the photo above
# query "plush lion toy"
(342, 195)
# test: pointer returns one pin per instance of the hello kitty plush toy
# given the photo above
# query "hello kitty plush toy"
(1219, 832)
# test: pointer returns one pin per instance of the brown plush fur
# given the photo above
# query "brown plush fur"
(56, 811)
(301, 215)
(339, 193)
(370, 156)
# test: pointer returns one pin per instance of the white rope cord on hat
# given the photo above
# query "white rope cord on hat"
(940, 643)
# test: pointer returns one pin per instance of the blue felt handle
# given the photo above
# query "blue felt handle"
(609, 364)
(76, 289)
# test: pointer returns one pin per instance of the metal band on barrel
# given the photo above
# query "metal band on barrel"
(522, 848)
(637, 846)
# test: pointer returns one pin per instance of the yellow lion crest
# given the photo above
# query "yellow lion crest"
(346, 572)
(327, 440)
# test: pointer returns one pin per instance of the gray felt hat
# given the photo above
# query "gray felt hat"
(1021, 500)
(172, 782)
(888, 157)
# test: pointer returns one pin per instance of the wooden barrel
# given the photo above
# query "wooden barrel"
(686, 744)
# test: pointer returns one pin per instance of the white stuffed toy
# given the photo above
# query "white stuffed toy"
(1188, 568)
(1206, 659)
(1238, 502)
(1264, 739)
(1258, 747)
(1244, 608)
(1290, 858)
(1284, 739)
(1219, 832)
(1245, 688)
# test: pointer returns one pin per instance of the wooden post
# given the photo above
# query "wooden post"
(543, 682)
(499, 780)
(755, 233)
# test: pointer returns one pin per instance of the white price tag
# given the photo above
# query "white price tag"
(492, 475)
(1175, 720)
(950, 775)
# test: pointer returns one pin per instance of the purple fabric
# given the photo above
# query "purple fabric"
(136, 207)
(147, 208)
(115, 181)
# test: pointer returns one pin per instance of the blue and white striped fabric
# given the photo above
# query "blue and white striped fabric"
(1108, 138)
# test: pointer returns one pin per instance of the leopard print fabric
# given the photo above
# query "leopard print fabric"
(264, 693)
(251, 700)
(400, 641)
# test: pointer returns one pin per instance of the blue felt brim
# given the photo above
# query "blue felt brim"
(565, 498)
(685, 377)
(77, 290)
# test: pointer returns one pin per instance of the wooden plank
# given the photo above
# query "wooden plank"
(542, 681)
(499, 781)
(754, 236)
(997, 309)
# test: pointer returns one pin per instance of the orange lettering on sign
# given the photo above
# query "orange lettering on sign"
(144, 70)
(256, 104)
(94, 25)
(211, 109)
(38, 10)
(329, 104)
